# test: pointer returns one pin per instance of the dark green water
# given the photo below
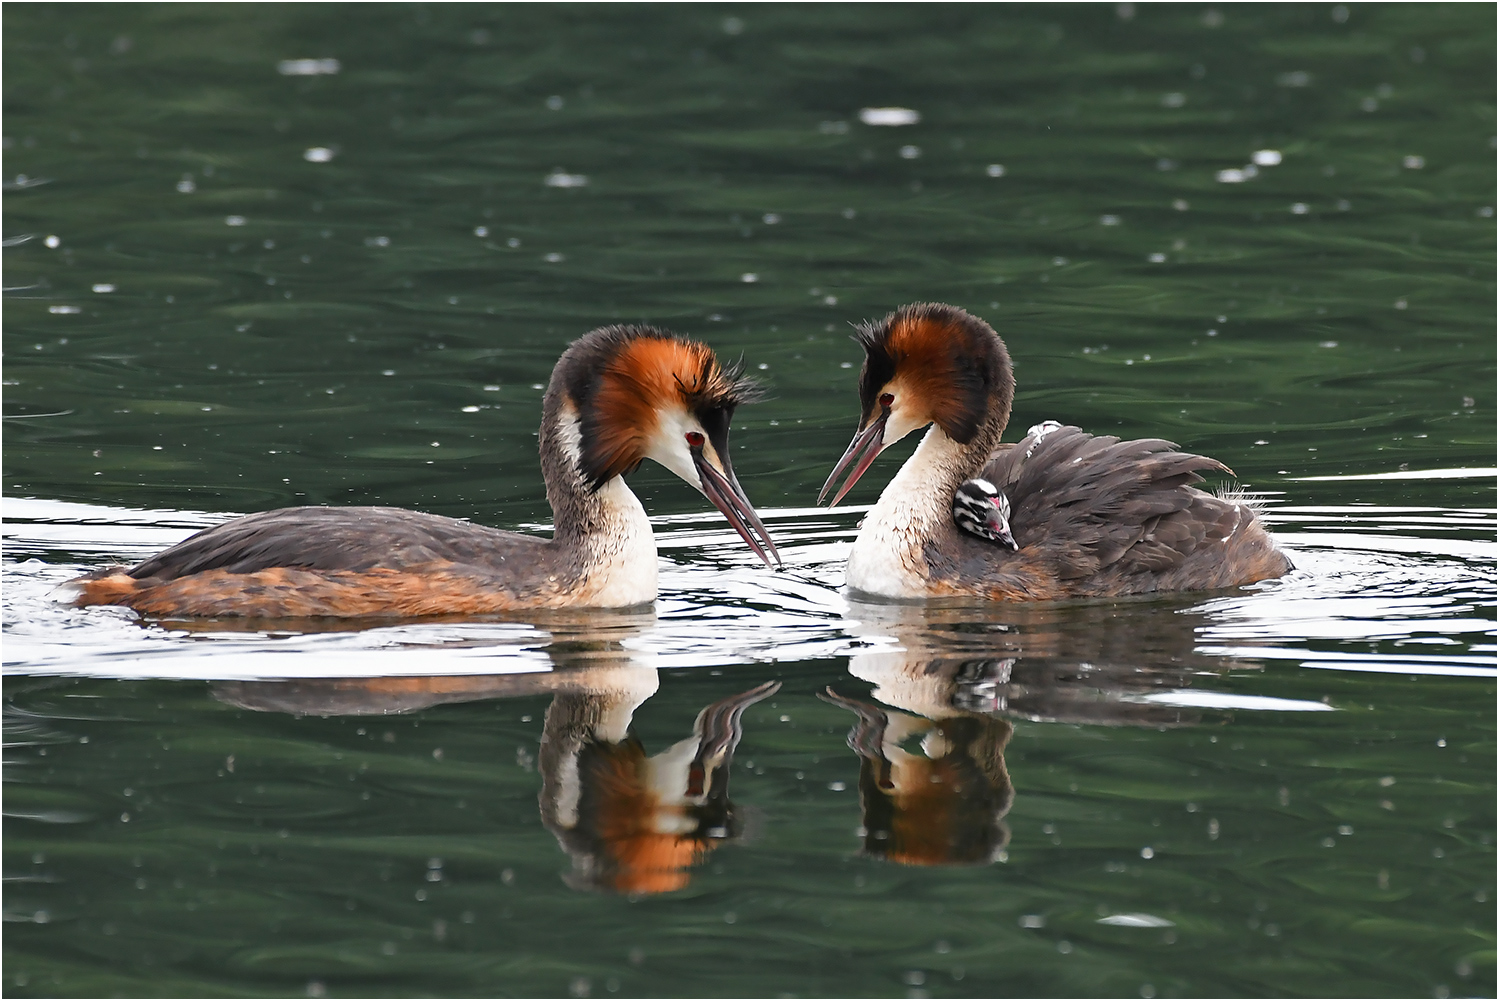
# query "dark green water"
(1286, 790)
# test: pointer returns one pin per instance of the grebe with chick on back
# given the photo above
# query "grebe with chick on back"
(618, 395)
(1070, 515)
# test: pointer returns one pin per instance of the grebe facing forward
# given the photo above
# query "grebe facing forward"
(618, 395)
(1088, 515)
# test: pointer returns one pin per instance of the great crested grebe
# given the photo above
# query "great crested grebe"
(1088, 515)
(618, 395)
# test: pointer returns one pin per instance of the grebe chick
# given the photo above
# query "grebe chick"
(982, 510)
(1089, 515)
(618, 395)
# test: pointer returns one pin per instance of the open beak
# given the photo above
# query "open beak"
(862, 451)
(724, 490)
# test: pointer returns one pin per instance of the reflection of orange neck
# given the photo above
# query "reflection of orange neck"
(924, 818)
(650, 861)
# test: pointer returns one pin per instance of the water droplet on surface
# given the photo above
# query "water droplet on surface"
(1266, 158)
(1108, 220)
(555, 102)
(308, 67)
(562, 179)
(1413, 163)
(317, 155)
(910, 152)
(1176, 99)
(889, 116)
(995, 170)
(234, 220)
(52, 242)
(749, 277)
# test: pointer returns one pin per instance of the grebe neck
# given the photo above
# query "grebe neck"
(606, 527)
(915, 507)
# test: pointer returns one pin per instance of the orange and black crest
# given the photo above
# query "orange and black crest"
(620, 377)
(951, 360)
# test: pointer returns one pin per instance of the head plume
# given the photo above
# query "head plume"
(953, 362)
(619, 378)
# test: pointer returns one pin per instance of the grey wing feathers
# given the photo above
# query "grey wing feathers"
(352, 539)
(1095, 501)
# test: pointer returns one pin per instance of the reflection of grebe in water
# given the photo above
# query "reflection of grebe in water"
(631, 823)
(941, 803)
(634, 823)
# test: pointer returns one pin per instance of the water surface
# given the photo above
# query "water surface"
(238, 281)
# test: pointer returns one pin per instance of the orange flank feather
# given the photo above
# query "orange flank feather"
(279, 592)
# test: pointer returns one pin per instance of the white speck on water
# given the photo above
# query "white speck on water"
(1032, 921)
(562, 179)
(910, 152)
(492, 387)
(837, 786)
(434, 444)
(1180, 204)
(1232, 175)
(1176, 99)
(481, 231)
(846, 365)
(848, 213)
(889, 116)
(1340, 14)
(1108, 220)
(995, 170)
(186, 186)
(64, 309)
(52, 242)
(732, 26)
(1294, 78)
(1484, 212)
(513, 242)
(1400, 304)
(1346, 829)
(103, 287)
(1157, 258)
(377, 241)
(308, 67)
(770, 219)
(1328, 344)
(763, 366)
(234, 220)
(554, 258)
(1299, 208)
(749, 277)
(537, 386)
(1147, 852)
(470, 409)
(317, 154)
(1413, 163)
(830, 300)
(1137, 920)
(1266, 158)
(1058, 262)
(555, 102)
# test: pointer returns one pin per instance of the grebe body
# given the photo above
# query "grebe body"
(618, 396)
(1088, 516)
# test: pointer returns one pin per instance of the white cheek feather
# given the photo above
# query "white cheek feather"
(668, 444)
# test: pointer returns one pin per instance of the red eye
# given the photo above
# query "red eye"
(694, 439)
(886, 399)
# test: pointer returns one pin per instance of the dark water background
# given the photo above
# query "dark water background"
(233, 285)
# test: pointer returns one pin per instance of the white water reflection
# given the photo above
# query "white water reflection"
(1366, 578)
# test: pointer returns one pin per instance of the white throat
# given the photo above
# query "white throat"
(888, 559)
(619, 549)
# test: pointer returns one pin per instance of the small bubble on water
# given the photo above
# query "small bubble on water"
(1413, 163)
(995, 170)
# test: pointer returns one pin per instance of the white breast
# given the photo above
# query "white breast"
(622, 554)
(887, 559)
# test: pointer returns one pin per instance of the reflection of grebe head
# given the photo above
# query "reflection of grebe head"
(631, 823)
(941, 805)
